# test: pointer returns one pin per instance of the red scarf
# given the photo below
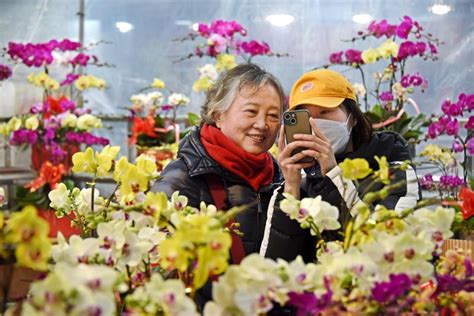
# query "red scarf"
(257, 170)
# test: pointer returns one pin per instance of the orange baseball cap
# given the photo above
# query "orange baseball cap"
(321, 87)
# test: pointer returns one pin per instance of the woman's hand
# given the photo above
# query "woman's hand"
(317, 146)
(289, 164)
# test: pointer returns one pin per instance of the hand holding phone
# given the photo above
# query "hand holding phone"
(297, 122)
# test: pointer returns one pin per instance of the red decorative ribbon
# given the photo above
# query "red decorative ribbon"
(147, 126)
(393, 119)
(467, 208)
(48, 173)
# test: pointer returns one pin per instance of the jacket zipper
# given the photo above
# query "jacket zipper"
(259, 214)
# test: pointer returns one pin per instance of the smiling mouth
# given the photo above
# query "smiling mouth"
(257, 138)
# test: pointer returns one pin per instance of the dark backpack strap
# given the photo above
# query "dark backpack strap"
(216, 188)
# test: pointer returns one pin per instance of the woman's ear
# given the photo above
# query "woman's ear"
(218, 119)
(352, 121)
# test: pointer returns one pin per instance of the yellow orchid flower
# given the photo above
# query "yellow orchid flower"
(158, 83)
(388, 49)
(88, 121)
(51, 84)
(97, 82)
(436, 153)
(25, 226)
(32, 123)
(393, 226)
(202, 84)
(174, 253)
(121, 168)
(200, 238)
(370, 55)
(30, 78)
(34, 254)
(4, 130)
(383, 172)
(155, 204)
(209, 262)
(69, 120)
(88, 81)
(14, 124)
(38, 79)
(133, 181)
(82, 83)
(84, 161)
(354, 169)
(105, 159)
(225, 62)
(147, 164)
(43, 80)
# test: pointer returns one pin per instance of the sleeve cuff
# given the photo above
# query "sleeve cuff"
(334, 172)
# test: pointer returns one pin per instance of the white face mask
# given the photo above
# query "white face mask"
(338, 133)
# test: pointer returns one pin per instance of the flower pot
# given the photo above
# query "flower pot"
(15, 281)
(56, 224)
(41, 153)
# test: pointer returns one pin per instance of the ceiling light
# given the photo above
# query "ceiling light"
(124, 27)
(280, 19)
(183, 22)
(440, 9)
(362, 18)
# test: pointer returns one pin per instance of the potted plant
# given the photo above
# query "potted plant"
(386, 100)
(57, 125)
(155, 130)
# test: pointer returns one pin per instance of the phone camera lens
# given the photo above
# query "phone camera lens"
(287, 116)
(293, 121)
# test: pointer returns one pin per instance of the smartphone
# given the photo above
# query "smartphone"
(297, 122)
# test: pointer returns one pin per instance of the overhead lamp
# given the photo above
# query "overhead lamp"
(362, 18)
(280, 20)
(195, 27)
(183, 22)
(440, 9)
(124, 27)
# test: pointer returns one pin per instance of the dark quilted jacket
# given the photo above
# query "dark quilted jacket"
(187, 175)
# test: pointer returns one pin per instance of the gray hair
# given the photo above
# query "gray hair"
(220, 96)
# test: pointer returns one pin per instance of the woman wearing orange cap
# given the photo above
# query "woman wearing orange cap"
(340, 130)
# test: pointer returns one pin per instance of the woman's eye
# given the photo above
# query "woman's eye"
(250, 111)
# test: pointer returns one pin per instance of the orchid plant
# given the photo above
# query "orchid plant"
(24, 239)
(155, 130)
(154, 122)
(220, 41)
(140, 233)
(56, 126)
(393, 85)
(448, 123)
(386, 264)
(24, 243)
(456, 190)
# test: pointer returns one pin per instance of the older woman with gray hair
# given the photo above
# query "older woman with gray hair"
(225, 162)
